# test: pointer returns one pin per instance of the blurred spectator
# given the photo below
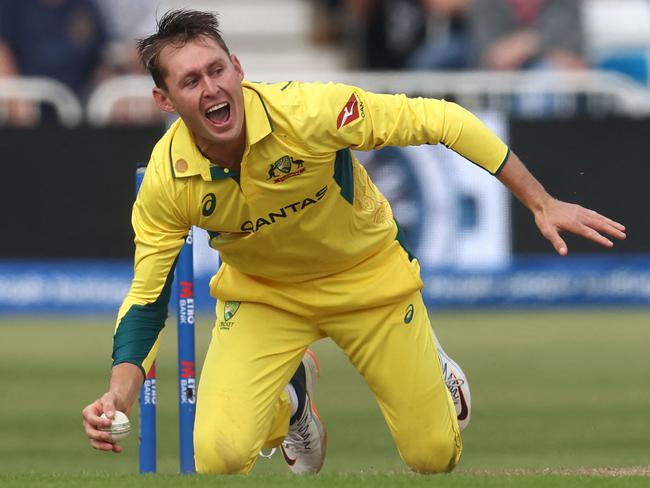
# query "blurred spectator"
(544, 35)
(447, 45)
(327, 24)
(524, 34)
(127, 21)
(387, 32)
(59, 39)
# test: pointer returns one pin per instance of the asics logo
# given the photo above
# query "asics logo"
(349, 113)
(408, 317)
(209, 202)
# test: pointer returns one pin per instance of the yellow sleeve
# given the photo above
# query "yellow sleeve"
(160, 230)
(347, 116)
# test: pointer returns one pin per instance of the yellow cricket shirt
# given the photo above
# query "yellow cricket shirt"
(300, 210)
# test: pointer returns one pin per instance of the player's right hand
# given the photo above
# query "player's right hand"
(92, 421)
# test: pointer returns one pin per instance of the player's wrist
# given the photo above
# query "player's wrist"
(125, 383)
(539, 204)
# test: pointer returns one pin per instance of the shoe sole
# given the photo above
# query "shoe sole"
(465, 394)
(312, 374)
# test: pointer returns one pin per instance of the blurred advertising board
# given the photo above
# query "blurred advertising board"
(72, 244)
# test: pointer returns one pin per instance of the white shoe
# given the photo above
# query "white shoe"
(458, 386)
(306, 442)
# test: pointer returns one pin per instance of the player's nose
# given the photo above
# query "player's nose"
(210, 88)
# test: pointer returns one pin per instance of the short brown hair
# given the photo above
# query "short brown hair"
(177, 27)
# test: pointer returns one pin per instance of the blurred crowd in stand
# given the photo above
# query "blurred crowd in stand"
(79, 43)
(454, 34)
(82, 43)
(547, 36)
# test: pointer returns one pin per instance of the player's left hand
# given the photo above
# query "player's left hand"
(93, 423)
(557, 216)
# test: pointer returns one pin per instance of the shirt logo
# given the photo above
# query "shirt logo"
(408, 316)
(229, 310)
(283, 212)
(209, 202)
(290, 461)
(350, 112)
(285, 166)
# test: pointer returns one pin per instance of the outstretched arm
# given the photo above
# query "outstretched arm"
(160, 231)
(553, 216)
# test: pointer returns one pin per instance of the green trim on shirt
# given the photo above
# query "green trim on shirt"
(140, 327)
(401, 238)
(343, 174)
(171, 158)
(219, 173)
(499, 168)
(268, 116)
(503, 163)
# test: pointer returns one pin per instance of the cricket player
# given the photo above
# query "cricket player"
(310, 249)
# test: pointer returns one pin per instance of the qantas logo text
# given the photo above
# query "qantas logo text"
(283, 212)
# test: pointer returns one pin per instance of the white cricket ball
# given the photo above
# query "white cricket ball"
(120, 427)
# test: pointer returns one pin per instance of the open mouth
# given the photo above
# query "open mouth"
(219, 114)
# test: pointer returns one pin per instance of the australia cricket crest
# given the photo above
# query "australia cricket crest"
(229, 311)
(284, 166)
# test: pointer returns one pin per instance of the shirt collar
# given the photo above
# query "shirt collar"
(258, 120)
(187, 160)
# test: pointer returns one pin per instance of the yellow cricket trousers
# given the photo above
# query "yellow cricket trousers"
(256, 347)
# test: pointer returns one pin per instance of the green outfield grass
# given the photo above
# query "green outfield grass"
(560, 399)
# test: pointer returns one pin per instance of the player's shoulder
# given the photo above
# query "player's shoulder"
(294, 92)
(160, 162)
(305, 105)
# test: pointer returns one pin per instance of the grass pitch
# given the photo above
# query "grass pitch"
(559, 399)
